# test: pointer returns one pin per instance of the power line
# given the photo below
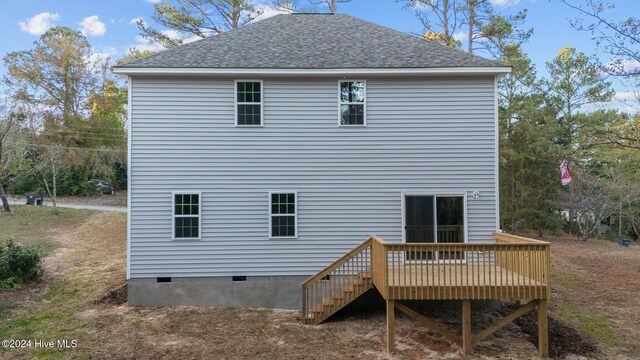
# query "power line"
(93, 129)
(78, 148)
(102, 138)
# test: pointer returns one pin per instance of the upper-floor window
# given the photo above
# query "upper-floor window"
(352, 103)
(186, 215)
(248, 103)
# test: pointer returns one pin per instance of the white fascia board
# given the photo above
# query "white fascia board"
(317, 72)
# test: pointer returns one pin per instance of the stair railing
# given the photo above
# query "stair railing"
(337, 284)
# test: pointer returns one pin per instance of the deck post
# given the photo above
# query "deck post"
(543, 329)
(305, 316)
(390, 325)
(466, 326)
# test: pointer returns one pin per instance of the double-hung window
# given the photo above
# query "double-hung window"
(186, 215)
(352, 103)
(248, 103)
(283, 214)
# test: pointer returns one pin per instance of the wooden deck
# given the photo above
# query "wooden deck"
(460, 281)
(512, 267)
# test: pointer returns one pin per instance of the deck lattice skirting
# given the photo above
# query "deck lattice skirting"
(512, 267)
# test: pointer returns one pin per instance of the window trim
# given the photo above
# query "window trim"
(173, 215)
(364, 103)
(235, 102)
(295, 215)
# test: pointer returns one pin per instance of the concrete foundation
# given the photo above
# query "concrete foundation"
(281, 292)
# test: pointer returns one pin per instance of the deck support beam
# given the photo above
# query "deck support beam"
(543, 329)
(390, 325)
(440, 329)
(504, 321)
(466, 326)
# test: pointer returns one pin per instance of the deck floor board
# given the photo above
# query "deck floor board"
(460, 281)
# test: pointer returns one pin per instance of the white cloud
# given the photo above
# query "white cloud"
(40, 23)
(152, 1)
(91, 25)
(505, 2)
(630, 65)
(172, 34)
(625, 95)
(99, 58)
(144, 45)
(461, 36)
(267, 11)
(135, 20)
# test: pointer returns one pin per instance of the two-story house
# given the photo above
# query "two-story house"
(260, 155)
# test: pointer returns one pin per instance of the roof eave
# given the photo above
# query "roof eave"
(491, 70)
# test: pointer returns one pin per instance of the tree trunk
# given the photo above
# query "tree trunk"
(472, 19)
(53, 196)
(620, 222)
(445, 22)
(55, 190)
(5, 202)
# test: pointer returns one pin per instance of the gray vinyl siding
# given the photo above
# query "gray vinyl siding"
(432, 135)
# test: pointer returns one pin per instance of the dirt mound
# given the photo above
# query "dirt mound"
(115, 296)
(563, 339)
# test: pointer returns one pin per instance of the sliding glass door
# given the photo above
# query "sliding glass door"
(435, 219)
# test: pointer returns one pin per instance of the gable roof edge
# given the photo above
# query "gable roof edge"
(328, 72)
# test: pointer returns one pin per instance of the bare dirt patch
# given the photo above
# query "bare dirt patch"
(595, 290)
(116, 296)
(85, 294)
(563, 339)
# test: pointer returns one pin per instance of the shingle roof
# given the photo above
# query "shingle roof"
(311, 41)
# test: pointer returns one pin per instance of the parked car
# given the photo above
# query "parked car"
(103, 186)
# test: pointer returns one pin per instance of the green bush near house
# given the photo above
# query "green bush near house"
(19, 264)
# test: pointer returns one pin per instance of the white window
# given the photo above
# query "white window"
(186, 215)
(352, 103)
(248, 96)
(283, 214)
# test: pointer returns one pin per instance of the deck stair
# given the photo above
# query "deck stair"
(337, 285)
(511, 267)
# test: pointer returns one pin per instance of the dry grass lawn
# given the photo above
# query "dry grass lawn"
(89, 264)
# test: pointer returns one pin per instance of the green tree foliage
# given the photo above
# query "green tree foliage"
(486, 30)
(54, 77)
(528, 156)
(195, 18)
(441, 19)
(574, 82)
(14, 153)
(135, 54)
(73, 107)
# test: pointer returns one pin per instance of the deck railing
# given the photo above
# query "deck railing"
(338, 284)
(512, 267)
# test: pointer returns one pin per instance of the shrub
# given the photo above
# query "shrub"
(19, 264)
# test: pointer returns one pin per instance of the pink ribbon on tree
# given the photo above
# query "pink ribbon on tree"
(566, 175)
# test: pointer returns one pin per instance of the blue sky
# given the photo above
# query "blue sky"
(109, 28)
